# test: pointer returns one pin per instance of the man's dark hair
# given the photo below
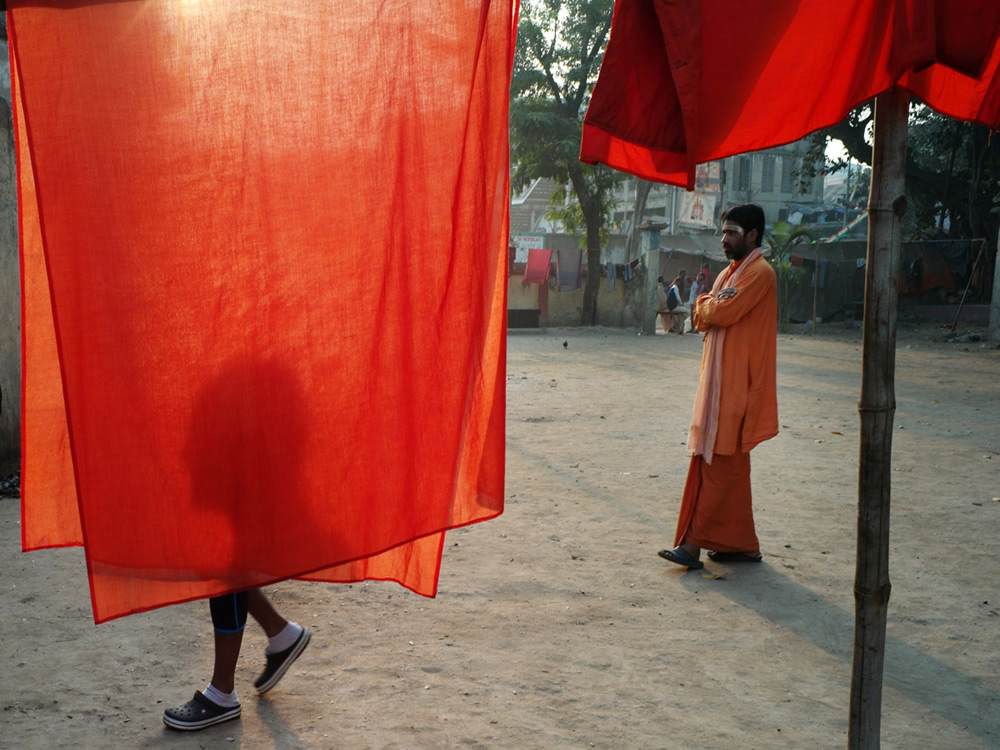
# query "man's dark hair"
(749, 216)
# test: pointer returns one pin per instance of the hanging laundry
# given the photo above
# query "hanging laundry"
(569, 269)
(539, 266)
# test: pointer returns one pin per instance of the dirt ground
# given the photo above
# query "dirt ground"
(556, 624)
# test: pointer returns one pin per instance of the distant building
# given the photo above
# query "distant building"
(773, 179)
(529, 206)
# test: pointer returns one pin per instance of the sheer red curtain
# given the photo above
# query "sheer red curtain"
(264, 281)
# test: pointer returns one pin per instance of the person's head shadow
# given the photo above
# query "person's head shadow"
(245, 446)
(765, 591)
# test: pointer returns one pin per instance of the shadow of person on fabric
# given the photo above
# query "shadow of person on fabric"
(921, 678)
(245, 449)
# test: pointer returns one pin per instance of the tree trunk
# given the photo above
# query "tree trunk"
(955, 142)
(877, 406)
(591, 208)
(593, 285)
(642, 188)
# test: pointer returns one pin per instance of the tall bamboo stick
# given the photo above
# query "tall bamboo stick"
(886, 205)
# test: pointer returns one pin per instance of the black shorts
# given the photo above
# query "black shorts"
(229, 612)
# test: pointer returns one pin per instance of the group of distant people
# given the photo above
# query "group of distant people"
(674, 302)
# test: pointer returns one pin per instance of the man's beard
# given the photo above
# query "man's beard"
(734, 252)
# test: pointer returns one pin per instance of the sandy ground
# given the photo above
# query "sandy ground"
(557, 625)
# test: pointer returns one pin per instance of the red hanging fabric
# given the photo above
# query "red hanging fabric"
(689, 81)
(538, 267)
(263, 251)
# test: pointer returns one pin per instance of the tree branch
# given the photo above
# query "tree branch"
(852, 135)
(587, 60)
(545, 64)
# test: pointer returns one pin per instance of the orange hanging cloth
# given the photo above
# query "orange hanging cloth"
(263, 251)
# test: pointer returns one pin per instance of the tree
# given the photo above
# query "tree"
(570, 215)
(558, 55)
(952, 174)
(959, 166)
(952, 170)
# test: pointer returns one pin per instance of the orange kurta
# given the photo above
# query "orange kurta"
(748, 405)
(716, 510)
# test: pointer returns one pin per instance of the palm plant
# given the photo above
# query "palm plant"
(780, 242)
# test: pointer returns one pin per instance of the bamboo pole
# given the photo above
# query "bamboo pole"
(886, 205)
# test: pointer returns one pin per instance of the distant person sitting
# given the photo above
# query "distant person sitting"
(676, 309)
(681, 283)
(662, 304)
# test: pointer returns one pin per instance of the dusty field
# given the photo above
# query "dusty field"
(557, 625)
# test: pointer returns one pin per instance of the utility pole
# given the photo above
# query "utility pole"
(847, 190)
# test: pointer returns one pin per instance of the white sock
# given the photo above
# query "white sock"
(226, 700)
(289, 634)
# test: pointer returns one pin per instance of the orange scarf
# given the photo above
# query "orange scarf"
(705, 416)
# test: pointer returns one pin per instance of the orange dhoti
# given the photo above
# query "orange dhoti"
(717, 508)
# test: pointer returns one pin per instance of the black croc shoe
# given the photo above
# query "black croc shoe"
(199, 713)
(278, 664)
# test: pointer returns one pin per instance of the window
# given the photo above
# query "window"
(767, 175)
(743, 173)
(787, 165)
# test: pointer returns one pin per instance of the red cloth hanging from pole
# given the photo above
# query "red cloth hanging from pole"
(673, 91)
(538, 267)
(264, 288)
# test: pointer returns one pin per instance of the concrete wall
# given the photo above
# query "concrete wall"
(521, 296)
(10, 302)
(621, 307)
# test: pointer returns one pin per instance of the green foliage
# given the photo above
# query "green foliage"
(570, 215)
(952, 171)
(556, 61)
(781, 241)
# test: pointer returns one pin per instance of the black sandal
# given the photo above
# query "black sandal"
(199, 713)
(681, 556)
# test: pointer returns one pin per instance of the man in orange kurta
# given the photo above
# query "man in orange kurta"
(736, 407)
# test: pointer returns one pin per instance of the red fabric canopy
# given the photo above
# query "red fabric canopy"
(263, 250)
(688, 81)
